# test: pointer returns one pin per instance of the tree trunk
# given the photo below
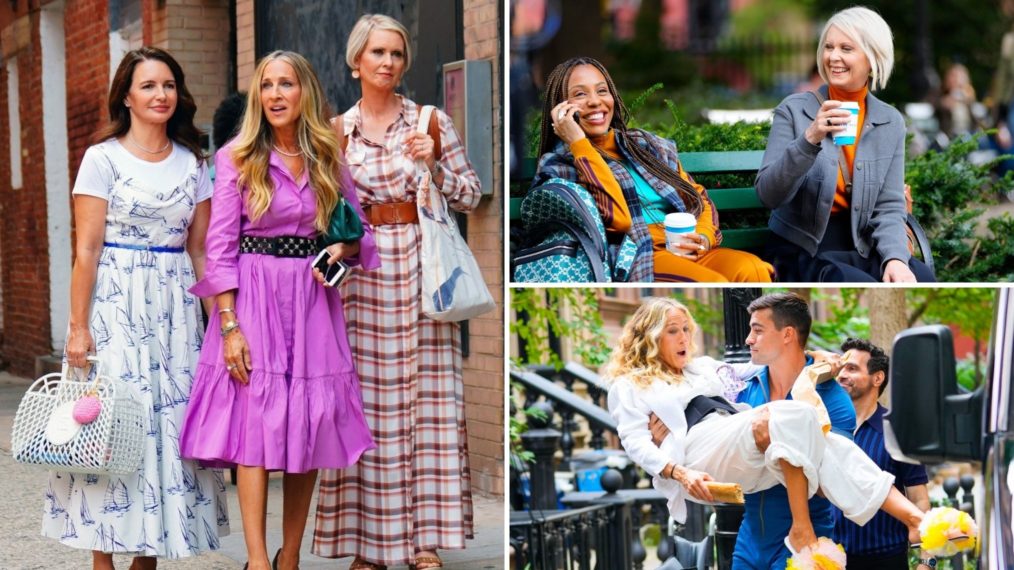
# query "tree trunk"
(888, 317)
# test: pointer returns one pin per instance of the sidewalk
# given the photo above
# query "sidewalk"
(23, 548)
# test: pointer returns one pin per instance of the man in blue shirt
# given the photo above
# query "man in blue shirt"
(779, 327)
(883, 542)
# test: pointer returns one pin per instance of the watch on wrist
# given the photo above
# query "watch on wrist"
(929, 561)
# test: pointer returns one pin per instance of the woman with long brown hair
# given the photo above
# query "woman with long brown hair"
(635, 178)
(141, 209)
(276, 389)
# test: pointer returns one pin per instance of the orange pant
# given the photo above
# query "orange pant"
(720, 265)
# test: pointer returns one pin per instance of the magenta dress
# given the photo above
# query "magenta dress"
(302, 409)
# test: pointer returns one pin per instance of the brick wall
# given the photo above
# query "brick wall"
(5, 191)
(156, 24)
(24, 231)
(198, 36)
(88, 72)
(484, 369)
(245, 55)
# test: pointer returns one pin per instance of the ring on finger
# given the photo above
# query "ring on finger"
(231, 367)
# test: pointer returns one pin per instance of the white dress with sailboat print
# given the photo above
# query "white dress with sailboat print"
(147, 331)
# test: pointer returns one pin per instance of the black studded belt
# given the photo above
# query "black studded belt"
(281, 246)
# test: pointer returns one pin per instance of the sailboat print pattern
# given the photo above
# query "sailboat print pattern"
(147, 332)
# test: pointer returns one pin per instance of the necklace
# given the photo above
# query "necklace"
(290, 154)
(159, 151)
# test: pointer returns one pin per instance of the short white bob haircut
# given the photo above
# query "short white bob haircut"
(874, 37)
(361, 33)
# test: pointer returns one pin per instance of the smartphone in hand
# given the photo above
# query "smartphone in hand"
(335, 273)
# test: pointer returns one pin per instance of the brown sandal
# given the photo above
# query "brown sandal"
(360, 564)
(428, 560)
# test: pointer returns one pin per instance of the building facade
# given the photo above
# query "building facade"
(58, 57)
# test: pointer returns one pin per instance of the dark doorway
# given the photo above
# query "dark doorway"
(318, 29)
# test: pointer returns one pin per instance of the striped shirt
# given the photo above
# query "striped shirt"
(882, 535)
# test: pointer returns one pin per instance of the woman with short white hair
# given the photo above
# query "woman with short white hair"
(411, 496)
(838, 211)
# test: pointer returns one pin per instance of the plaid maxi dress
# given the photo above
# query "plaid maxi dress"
(413, 492)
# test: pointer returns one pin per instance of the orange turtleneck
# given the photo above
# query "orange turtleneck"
(842, 199)
(598, 178)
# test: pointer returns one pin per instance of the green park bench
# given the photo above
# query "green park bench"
(742, 216)
(731, 202)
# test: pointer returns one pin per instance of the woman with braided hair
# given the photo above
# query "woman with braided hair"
(635, 178)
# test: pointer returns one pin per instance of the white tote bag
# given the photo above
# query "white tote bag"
(452, 285)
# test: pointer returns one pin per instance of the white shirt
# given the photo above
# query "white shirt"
(105, 163)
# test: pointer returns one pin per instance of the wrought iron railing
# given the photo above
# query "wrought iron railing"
(585, 538)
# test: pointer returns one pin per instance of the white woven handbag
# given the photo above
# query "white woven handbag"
(47, 435)
(452, 285)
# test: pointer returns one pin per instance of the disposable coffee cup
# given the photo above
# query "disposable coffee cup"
(677, 227)
(848, 136)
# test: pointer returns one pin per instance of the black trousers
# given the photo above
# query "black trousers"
(837, 260)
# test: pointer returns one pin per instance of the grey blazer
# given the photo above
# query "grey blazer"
(797, 180)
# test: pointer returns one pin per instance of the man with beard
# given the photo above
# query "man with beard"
(883, 542)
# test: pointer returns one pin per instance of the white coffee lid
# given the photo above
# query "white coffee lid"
(680, 220)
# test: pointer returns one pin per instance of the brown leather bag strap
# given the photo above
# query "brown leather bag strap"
(338, 124)
(434, 132)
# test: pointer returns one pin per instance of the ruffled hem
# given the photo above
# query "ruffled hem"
(162, 554)
(295, 424)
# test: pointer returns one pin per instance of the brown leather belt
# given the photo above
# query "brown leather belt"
(392, 213)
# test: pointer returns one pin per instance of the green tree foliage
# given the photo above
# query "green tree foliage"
(967, 31)
(846, 318)
(564, 313)
(946, 191)
(970, 310)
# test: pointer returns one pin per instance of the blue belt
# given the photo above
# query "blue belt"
(151, 248)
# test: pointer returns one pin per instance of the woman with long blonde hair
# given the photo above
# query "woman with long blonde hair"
(276, 389)
(653, 371)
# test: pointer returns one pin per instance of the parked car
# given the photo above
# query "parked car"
(933, 419)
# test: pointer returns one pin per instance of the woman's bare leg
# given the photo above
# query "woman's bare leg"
(252, 490)
(144, 563)
(298, 490)
(102, 560)
(801, 533)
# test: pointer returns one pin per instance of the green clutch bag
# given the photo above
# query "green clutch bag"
(345, 226)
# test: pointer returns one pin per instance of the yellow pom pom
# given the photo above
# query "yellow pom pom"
(946, 531)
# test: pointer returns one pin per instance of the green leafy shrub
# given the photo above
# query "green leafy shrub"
(947, 194)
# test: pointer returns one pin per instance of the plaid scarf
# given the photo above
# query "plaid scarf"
(560, 164)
